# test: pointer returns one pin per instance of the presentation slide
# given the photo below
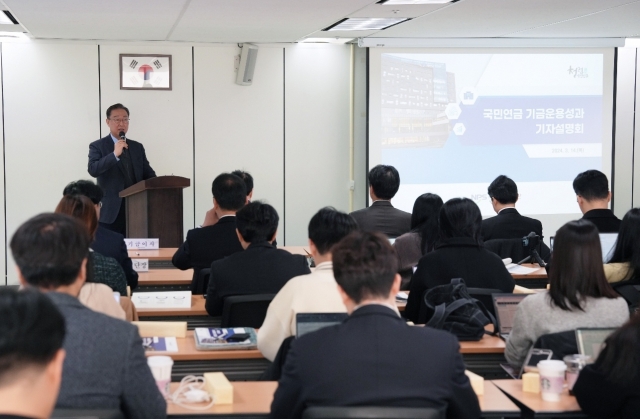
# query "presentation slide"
(451, 122)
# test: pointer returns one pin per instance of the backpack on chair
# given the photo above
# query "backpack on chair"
(451, 308)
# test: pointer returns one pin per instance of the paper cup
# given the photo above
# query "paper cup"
(161, 369)
(551, 379)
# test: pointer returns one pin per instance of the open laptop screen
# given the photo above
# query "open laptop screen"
(310, 322)
(607, 242)
(505, 307)
(591, 340)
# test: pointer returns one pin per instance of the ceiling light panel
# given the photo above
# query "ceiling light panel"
(365, 24)
(4, 19)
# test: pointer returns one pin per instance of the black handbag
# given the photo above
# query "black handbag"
(451, 308)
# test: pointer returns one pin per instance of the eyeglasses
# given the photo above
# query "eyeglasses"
(118, 121)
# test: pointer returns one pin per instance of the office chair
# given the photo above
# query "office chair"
(245, 310)
(561, 343)
(484, 296)
(87, 414)
(200, 281)
(630, 291)
(513, 249)
(373, 412)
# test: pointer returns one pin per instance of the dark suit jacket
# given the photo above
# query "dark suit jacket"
(111, 244)
(104, 166)
(375, 359)
(383, 217)
(105, 366)
(604, 220)
(260, 269)
(455, 258)
(509, 224)
(206, 245)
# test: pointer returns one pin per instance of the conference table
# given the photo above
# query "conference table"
(482, 357)
(195, 316)
(252, 399)
(164, 280)
(533, 406)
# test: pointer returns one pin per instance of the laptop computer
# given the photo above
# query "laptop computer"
(607, 242)
(591, 340)
(310, 322)
(505, 306)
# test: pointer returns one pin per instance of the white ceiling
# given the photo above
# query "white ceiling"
(270, 21)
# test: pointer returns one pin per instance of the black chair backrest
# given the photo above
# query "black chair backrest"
(513, 249)
(630, 291)
(87, 414)
(373, 412)
(484, 296)
(245, 310)
(561, 343)
(200, 281)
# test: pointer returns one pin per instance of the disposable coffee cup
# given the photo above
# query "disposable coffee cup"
(161, 369)
(551, 379)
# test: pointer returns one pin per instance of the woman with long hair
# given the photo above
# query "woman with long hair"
(421, 240)
(624, 262)
(459, 253)
(578, 295)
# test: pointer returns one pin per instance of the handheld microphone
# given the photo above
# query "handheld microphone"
(123, 138)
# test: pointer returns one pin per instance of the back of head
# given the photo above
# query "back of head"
(246, 177)
(385, 181)
(592, 185)
(627, 248)
(460, 217)
(32, 331)
(504, 190)
(229, 192)
(577, 270)
(49, 250)
(328, 226)
(80, 207)
(424, 219)
(257, 222)
(365, 265)
(87, 188)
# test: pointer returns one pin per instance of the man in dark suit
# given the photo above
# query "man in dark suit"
(508, 224)
(106, 242)
(117, 164)
(205, 245)
(105, 365)
(384, 182)
(374, 358)
(31, 355)
(593, 196)
(259, 269)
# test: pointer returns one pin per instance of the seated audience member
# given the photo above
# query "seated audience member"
(248, 182)
(458, 254)
(103, 270)
(578, 295)
(610, 388)
(105, 365)
(421, 240)
(384, 182)
(313, 293)
(374, 358)
(259, 269)
(624, 263)
(508, 224)
(106, 242)
(592, 190)
(31, 354)
(208, 244)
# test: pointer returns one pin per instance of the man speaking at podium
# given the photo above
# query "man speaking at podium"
(118, 163)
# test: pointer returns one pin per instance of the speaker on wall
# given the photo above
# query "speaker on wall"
(247, 64)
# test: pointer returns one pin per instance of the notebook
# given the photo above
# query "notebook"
(310, 322)
(505, 306)
(591, 340)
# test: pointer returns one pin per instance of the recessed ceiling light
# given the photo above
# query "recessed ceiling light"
(396, 2)
(6, 18)
(15, 35)
(325, 40)
(365, 23)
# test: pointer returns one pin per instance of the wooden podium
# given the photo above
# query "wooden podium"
(154, 209)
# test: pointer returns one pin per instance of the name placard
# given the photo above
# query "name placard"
(140, 265)
(142, 244)
(162, 299)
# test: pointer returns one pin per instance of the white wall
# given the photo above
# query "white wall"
(51, 114)
(239, 127)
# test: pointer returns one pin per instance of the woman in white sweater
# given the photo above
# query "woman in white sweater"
(578, 295)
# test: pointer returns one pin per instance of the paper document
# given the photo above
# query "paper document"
(402, 296)
(519, 269)
(166, 299)
(168, 344)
